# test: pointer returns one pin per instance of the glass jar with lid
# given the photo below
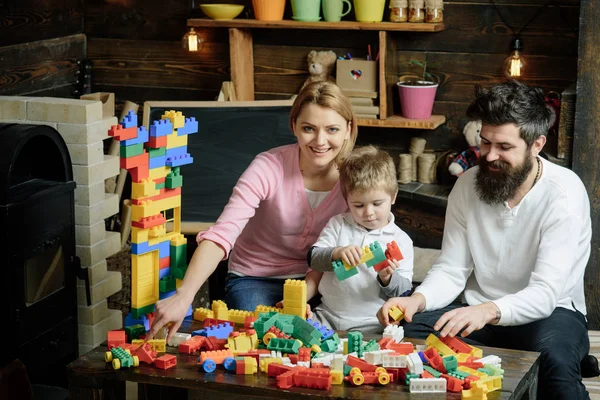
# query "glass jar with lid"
(434, 11)
(416, 10)
(398, 10)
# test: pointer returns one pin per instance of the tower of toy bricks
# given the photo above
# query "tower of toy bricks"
(153, 158)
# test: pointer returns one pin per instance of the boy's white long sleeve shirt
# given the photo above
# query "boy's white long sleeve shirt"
(528, 259)
(353, 303)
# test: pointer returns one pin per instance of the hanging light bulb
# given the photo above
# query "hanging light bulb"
(514, 64)
(191, 41)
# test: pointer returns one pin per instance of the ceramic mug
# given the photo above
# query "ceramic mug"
(369, 10)
(306, 10)
(333, 9)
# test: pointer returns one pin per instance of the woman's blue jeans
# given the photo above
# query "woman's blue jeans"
(246, 292)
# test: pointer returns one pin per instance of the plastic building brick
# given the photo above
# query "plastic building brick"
(304, 332)
(190, 125)
(491, 359)
(129, 120)
(450, 363)
(265, 309)
(140, 138)
(435, 360)
(159, 345)
(276, 369)
(415, 365)
(430, 385)
(286, 380)
(264, 363)
(395, 361)
(432, 371)
(242, 341)
(364, 366)
(145, 353)
(371, 345)
(218, 356)
(116, 338)
(134, 331)
(395, 313)
(176, 118)
(238, 316)
(294, 298)
(192, 345)
(166, 361)
(394, 332)
(121, 358)
(393, 252)
(341, 272)
(284, 345)
(337, 377)
(355, 343)
(246, 365)
(120, 133)
(456, 344)
(200, 314)
(220, 331)
(162, 127)
(178, 338)
(326, 333)
(313, 379)
(475, 393)
(375, 357)
(453, 384)
(220, 309)
(433, 341)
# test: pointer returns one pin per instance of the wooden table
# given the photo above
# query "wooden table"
(90, 377)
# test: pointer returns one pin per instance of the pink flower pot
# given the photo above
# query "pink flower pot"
(416, 101)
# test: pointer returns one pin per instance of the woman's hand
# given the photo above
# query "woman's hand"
(170, 312)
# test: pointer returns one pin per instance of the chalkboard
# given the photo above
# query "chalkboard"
(230, 135)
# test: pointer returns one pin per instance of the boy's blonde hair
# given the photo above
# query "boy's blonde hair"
(327, 94)
(366, 168)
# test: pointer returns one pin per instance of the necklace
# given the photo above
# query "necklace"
(537, 175)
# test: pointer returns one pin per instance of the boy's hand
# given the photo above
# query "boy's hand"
(386, 274)
(408, 305)
(309, 313)
(349, 254)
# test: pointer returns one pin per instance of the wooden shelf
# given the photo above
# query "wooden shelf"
(342, 25)
(397, 121)
(241, 55)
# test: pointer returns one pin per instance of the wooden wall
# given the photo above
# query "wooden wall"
(41, 42)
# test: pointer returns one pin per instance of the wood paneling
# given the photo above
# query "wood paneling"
(32, 20)
(158, 64)
(586, 147)
(47, 66)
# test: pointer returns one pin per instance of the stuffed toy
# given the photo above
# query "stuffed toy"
(470, 157)
(320, 66)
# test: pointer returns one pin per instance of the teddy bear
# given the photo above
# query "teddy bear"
(469, 157)
(320, 66)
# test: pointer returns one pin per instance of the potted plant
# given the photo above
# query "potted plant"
(417, 93)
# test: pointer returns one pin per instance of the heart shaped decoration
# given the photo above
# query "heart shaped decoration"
(356, 74)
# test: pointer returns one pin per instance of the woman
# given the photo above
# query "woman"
(276, 211)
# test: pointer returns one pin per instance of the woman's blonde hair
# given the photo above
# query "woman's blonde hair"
(327, 94)
(367, 168)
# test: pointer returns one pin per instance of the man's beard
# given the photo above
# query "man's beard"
(496, 187)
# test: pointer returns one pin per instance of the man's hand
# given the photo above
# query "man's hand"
(408, 305)
(309, 313)
(349, 254)
(386, 274)
(470, 319)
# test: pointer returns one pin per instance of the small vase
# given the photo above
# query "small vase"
(416, 101)
(268, 10)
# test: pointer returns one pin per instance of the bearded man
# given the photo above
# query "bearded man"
(516, 244)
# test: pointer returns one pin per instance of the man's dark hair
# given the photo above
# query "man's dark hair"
(513, 102)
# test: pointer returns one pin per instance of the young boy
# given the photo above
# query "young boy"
(368, 183)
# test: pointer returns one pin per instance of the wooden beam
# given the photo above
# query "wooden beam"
(242, 63)
(383, 113)
(586, 147)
